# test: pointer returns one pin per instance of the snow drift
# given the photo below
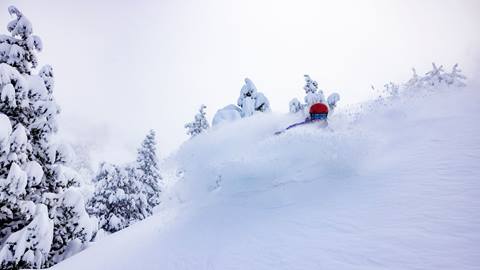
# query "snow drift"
(391, 185)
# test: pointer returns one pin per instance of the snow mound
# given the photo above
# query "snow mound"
(392, 184)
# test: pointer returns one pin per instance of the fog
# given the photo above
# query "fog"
(124, 67)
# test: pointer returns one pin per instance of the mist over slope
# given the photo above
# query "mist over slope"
(391, 185)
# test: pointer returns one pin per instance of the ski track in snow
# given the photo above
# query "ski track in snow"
(396, 189)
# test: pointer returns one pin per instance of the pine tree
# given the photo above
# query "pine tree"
(32, 242)
(149, 174)
(35, 176)
(19, 49)
(199, 124)
(119, 199)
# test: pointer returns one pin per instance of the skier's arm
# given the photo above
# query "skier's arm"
(292, 126)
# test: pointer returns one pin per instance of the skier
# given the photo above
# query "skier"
(318, 116)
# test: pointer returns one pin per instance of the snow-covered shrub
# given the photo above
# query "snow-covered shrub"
(199, 124)
(34, 173)
(433, 80)
(332, 101)
(261, 103)
(312, 95)
(434, 77)
(295, 105)
(251, 100)
(414, 82)
(148, 171)
(437, 77)
(455, 78)
(118, 200)
(227, 114)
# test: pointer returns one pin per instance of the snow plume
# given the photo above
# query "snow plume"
(244, 151)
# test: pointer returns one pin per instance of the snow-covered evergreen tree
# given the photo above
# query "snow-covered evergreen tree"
(148, 170)
(311, 86)
(199, 124)
(119, 199)
(126, 194)
(34, 172)
(312, 95)
(73, 226)
(30, 246)
(251, 100)
(19, 49)
(246, 101)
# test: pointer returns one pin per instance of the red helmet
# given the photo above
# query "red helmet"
(319, 108)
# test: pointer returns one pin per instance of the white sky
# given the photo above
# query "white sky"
(123, 67)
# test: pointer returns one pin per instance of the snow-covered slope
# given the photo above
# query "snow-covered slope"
(388, 187)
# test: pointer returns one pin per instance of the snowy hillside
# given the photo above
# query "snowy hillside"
(391, 186)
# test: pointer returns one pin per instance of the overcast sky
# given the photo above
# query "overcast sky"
(123, 67)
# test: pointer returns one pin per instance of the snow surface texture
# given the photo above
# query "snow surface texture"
(393, 185)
